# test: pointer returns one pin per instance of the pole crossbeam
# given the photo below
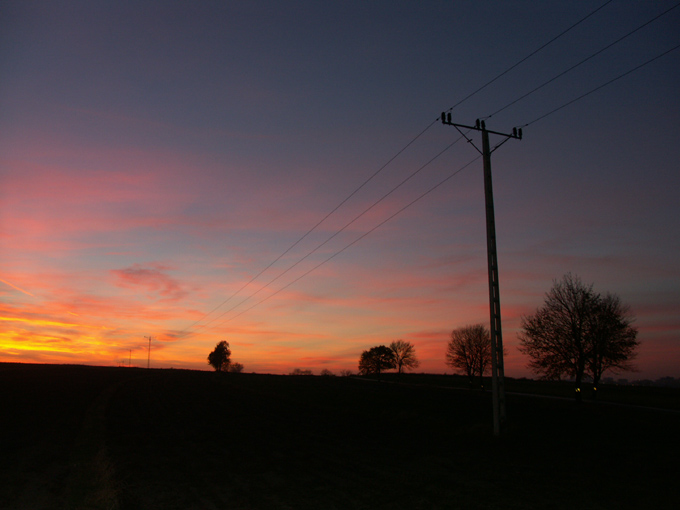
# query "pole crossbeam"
(497, 365)
(481, 126)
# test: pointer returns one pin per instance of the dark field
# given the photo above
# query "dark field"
(93, 437)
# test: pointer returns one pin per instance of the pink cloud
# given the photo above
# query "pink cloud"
(154, 279)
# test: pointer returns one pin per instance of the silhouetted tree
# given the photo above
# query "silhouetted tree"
(299, 371)
(469, 351)
(613, 340)
(376, 359)
(555, 337)
(326, 372)
(219, 358)
(235, 367)
(578, 332)
(404, 355)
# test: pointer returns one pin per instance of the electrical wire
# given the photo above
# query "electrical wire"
(584, 60)
(249, 282)
(442, 182)
(403, 182)
(347, 225)
(636, 68)
(181, 333)
(529, 56)
(362, 236)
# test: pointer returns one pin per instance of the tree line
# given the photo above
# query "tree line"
(468, 350)
(400, 355)
(576, 333)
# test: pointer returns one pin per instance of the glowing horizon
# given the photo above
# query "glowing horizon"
(149, 169)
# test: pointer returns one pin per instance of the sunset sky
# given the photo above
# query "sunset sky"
(158, 160)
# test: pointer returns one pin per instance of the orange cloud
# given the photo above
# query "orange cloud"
(41, 322)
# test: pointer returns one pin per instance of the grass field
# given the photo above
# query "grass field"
(94, 437)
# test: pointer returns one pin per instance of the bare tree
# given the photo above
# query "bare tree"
(469, 351)
(555, 337)
(613, 340)
(577, 332)
(404, 355)
(219, 358)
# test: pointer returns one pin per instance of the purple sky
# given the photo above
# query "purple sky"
(156, 156)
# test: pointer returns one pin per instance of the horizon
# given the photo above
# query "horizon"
(615, 380)
(275, 176)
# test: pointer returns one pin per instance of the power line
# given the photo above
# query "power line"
(455, 173)
(382, 167)
(421, 196)
(529, 56)
(181, 333)
(366, 182)
(408, 178)
(602, 86)
(584, 60)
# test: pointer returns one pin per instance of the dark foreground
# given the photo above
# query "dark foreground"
(89, 437)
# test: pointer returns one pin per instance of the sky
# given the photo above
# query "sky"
(197, 172)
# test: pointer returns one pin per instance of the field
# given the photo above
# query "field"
(106, 438)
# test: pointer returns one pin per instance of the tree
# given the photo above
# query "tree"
(299, 371)
(578, 332)
(469, 350)
(376, 359)
(235, 368)
(404, 355)
(219, 358)
(613, 341)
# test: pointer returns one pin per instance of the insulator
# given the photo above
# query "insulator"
(520, 133)
(477, 124)
(448, 117)
(483, 125)
(514, 131)
(443, 118)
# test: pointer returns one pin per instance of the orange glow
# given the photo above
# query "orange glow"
(41, 322)
(46, 344)
(129, 212)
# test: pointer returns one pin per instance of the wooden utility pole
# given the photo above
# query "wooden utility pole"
(497, 366)
(148, 359)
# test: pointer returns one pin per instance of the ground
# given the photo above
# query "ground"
(95, 437)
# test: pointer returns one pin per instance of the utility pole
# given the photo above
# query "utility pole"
(130, 359)
(497, 366)
(148, 359)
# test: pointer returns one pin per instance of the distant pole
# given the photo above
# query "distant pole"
(148, 359)
(130, 359)
(497, 366)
